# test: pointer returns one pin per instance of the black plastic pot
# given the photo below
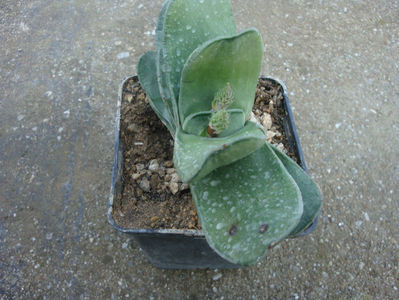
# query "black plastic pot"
(185, 249)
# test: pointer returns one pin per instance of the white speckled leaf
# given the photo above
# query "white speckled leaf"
(237, 202)
(311, 195)
(187, 25)
(164, 88)
(196, 156)
(147, 76)
(235, 60)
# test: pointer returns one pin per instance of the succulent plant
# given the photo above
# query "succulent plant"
(201, 82)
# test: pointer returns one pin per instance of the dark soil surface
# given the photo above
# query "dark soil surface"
(152, 195)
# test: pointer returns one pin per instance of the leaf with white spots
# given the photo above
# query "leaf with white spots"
(246, 213)
(311, 195)
(147, 76)
(196, 156)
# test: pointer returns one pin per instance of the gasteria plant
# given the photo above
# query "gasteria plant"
(201, 82)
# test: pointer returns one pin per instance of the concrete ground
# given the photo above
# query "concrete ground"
(61, 63)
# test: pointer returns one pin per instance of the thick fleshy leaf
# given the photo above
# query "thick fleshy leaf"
(196, 156)
(148, 79)
(187, 25)
(198, 122)
(248, 205)
(236, 60)
(311, 195)
(164, 88)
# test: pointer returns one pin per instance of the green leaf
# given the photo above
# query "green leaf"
(164, 88)
(196, 156)
(148, 79)
(311, 194)
(185, 26)
(198, 122)
(236, 60)
(248, 205)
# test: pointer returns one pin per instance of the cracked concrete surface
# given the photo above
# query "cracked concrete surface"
(61, 64)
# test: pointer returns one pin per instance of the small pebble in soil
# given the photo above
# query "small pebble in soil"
(174, 178)
(168, 164)
(174, 187)
(154, 165)
(136, 176)
(145, 185)
(267, 121)
(155, 219)
(184, 186)
(170, 170)
(129, 97)
(132, 128)
(270, 135)
(139, 167)
(217, 276)
(281, 147)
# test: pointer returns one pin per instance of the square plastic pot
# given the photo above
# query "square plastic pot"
(185, 249)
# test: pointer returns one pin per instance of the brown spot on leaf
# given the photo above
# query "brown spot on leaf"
(233, 230)
(263, 228)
